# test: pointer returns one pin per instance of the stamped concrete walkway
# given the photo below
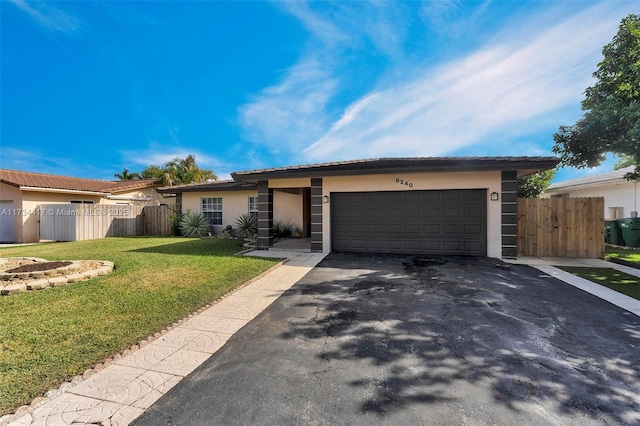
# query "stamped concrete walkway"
(122, 391)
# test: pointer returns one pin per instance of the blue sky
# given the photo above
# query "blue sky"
(90, 88)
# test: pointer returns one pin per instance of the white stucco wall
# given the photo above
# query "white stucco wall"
(234, 203)
(490, 180)
(622, 194)
(287, 207)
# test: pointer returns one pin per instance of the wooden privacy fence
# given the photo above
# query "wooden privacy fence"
(76, 222)
(561, 227)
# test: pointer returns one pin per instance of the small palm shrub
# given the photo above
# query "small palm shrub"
(194, 225)
(246, 226)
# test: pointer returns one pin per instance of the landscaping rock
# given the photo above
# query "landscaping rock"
(74, 278)
(104, 270)
(5, 420)
(91, 274)
(38, 401)
(53, 393)
(65, 386)
(22, 410)
(14, 289)
(38, 284)
(58, 281)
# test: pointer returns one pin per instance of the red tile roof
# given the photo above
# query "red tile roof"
(41, 180)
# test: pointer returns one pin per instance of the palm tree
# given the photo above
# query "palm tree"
(125, 175)
(181, 171)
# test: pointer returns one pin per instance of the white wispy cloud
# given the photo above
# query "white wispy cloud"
(507, 85)
(49, 16)
(296, 106)
(294, 111)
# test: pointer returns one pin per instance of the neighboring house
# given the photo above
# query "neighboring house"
(22, 192)
(621, 197)
(439, 205)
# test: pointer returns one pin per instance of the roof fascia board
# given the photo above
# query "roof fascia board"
(128, 198)
(350, 171)
(203, 189)
(62, 191)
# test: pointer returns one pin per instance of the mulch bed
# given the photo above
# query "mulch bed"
(35, 267)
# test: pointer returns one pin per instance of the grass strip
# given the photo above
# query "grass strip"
(49, 336)
(629, 255)
(608, 277)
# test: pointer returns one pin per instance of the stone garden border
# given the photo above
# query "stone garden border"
(57, 277)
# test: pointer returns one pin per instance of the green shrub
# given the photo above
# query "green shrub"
(246, 226)
(194, 225)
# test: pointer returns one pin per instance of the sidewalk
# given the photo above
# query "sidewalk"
(121, 392)
(548, 266)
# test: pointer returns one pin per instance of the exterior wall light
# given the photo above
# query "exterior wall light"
(495, 196)
(325, 199)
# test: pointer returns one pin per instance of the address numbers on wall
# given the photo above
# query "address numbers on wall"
(404, 182)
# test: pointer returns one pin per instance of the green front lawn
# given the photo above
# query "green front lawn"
(621, 253)
(49, 336)
(608, 277)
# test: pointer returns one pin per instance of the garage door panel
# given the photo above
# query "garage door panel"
(413, 228)
(432, 212)
(452, 229)
(376, 213)
(433, 229)
(375, 228)
(414, 246)
(432, 222)
(395, 228)
(450, 213)
(413, 213)
(473, 229)
(394, 213)
(451, 196)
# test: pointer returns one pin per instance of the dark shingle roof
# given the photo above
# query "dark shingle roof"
(525, 165)
(219, 185)
(42, 180)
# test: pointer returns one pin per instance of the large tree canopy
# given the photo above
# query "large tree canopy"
(175, 172)
(611, 122)
(532, 186)
(125, 175)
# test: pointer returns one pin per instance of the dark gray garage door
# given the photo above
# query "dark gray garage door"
(429, 222)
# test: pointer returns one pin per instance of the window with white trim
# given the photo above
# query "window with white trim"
(253, 207)
(212, 210)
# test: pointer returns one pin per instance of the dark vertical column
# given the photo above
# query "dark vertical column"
(316, 214)
(509, 200)
(265, 215)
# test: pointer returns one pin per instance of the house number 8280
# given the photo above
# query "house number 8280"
(404, 182)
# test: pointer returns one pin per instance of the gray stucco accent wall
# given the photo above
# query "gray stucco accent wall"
(509, 199)
(265, 215)
(316, 215)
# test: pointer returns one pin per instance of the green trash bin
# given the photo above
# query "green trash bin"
(612, 233)
(630, 228)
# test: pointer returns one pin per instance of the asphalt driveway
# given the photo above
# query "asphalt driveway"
(401, 340)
